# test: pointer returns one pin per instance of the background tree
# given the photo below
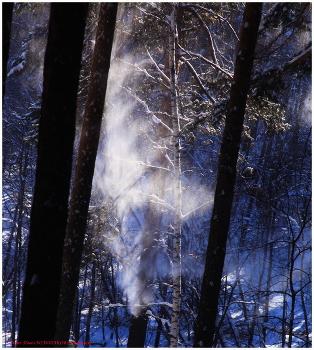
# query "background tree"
(55, 149)
(208, 306)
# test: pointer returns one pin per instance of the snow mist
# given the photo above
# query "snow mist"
(129, 174)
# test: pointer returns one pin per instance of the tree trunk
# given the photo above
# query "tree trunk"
(268, 289)
(145, 277)
(7, 13)
(17, 251)
(176, 272)
(91, 305)
(55, 148)
(82, 184)
(208, 306)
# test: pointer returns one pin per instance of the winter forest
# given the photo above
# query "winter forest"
(156, 180)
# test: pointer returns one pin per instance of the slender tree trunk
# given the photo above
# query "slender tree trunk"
(306, 322)
(293, 294)
(175, 316)
(268, 291)
(303, 303)
(54, 163)
(82, 184)
(17, 251)
(159, 328)
(208, 306)
(6, 273)
(80, 298)
(256, 311)
(284, 319)
(91, 305)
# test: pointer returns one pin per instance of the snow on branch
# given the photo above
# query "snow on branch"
(17, 68)
(115, 305)
(144, 71)
(156, 65)
(194, 210)
(161, 303)
(193, 71)
(155, 199)
(298, 58)
(138, 162)
(155, 119)
(202, 58)
(272, 72)
(157, 167)
(215, 15)
(207, 31)
(152, 15)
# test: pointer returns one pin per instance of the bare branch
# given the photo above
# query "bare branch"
(158, 68)
(142, 70)
(215, 15)
(192, 70)
(198, 208)
(273, 72)
(207, 31)
(150, 14)
(148, 111)
(155, 199)
(202, 58)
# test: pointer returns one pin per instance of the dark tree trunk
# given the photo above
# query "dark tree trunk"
(208, 306)
(7, 12)
(145, 277)
(77, 221)
(137, 330)
(55, 148)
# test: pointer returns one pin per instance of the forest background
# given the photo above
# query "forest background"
(145, 236)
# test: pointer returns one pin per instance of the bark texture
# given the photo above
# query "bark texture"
(208, 306)
(7, 13)
(82, 184)
(55, 148)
